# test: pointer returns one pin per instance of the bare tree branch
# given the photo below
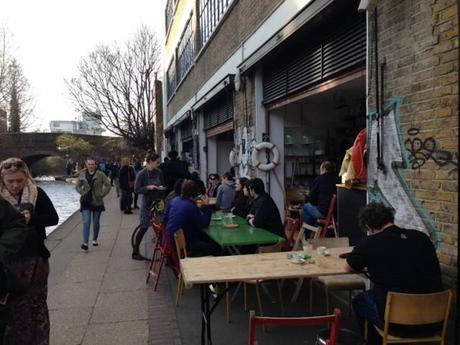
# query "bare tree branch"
(117, 84)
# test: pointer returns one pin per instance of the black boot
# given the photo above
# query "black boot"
(139, 236)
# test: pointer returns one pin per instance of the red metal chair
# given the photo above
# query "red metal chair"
(291, 231)
(164, 249)
(156, 249)
(323, 224)
(333, 321)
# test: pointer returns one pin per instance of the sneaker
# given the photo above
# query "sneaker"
(95, 244)
(84, 246)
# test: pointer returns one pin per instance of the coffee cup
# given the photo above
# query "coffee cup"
(321, 250)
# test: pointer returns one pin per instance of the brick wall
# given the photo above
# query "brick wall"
(419, 40)
(244, 18)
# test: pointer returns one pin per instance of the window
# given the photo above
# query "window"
(171, 79)
(218, 110)
(169, 12)
(211, 12)
(185, 51)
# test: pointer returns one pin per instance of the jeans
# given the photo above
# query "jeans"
(310, 214)
(86, 215)
(365, 308)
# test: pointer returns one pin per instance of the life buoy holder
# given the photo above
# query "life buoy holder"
(232, 158)
(262, 146)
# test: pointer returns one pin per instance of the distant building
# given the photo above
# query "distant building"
(90, 124)
(3, 121)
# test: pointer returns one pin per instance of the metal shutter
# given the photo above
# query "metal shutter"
(218, 110)
(341, 50)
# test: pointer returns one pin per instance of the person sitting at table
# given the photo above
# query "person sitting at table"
(321, 191)
(395, 259)
(241, 200)
(263, 213)
(225, 193)
(183, 213)
(213, 185)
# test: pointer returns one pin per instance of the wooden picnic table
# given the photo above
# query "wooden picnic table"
(237, 268)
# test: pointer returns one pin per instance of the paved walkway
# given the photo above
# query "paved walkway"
(100, 296)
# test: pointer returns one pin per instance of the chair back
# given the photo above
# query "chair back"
(418, 309)
(181, 247)
(329, 216)
(330, 242)
(274, 248)
(333, 321)
(291, 231)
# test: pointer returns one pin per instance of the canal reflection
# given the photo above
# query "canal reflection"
(65, 199)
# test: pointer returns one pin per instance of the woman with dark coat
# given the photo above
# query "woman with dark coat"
(240, 205)
(126, 178)
(29, 323)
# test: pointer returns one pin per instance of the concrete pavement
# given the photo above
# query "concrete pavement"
(100, 296)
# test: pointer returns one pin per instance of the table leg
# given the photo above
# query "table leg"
(203, 315)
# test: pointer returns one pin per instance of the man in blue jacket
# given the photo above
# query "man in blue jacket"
(183, 213)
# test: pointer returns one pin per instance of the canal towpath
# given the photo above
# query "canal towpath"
(100, 296)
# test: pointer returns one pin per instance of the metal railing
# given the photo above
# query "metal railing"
(210, 14)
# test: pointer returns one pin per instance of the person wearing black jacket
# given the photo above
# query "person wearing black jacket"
(263, 213)
(395, 259)
(174, 169)
(321, 191)
(126, 179)
(29, 323)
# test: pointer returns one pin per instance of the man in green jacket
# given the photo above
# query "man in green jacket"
(93, 185)
(13, 233)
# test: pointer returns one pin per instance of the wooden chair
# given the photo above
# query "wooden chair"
(181, 249)
(322, 225)
(256, 282)
(291, 231)
(415, 309)
(332, 321)
(350, 282)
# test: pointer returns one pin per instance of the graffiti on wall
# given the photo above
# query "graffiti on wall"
(422, 150)
(244, 140)
(388, 185)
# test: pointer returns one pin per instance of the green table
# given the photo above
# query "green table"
(243, 235)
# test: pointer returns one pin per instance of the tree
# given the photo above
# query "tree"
(15, 96)
(73, 145)
(118, 85)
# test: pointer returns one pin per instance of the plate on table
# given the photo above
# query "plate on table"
(231, 226)
(216, 218)
(161, 188)
(297, 260)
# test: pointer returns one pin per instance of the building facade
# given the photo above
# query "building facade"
(309, 76)
(89, 124)
(3, 121)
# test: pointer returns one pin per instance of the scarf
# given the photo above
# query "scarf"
(29, 194)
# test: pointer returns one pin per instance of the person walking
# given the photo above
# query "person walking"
(149, 184)
(126, 180)
(29, 321)
(137, 168)
(93, 185)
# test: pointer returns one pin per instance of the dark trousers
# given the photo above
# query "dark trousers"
(125, 200)
(365, 308)
(135, 199)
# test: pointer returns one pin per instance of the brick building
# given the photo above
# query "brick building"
(308, 76)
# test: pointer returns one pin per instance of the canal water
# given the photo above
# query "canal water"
(65, 198)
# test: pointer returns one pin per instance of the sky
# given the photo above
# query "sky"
(51, 36)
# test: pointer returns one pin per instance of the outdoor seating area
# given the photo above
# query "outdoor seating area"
(296, 283)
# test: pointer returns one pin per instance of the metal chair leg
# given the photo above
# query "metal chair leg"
(280, 293)
(259, 303)
(227, 302)
(245, 296)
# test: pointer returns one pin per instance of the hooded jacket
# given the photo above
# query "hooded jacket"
(225, 196)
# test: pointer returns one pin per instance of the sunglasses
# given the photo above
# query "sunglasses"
(15, 164)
